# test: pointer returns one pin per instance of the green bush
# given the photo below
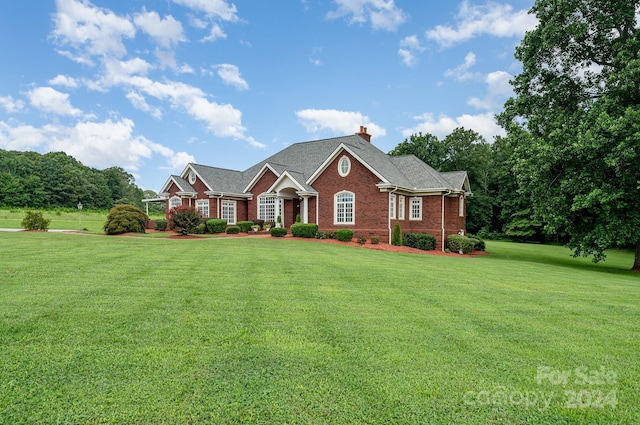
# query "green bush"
(161, 225)
(421, 241)
(480, 244)
(344, 235)
(216, 225)
(375, 240)
(233, 230)
(278, 232)
(362, 240)
(298, 219)
(459, 243)
(200, 229)
(245, 226)
(396, 237)
(123, 218)
(34, 220)
(304, 230)
(184, 219)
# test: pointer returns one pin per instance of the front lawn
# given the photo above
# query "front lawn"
(264, 330)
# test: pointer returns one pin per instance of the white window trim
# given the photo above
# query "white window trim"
(203, 202)
(461, 206)
(275, 207)
(192, 177)
(335, 209)
(411, 203)
(401, 203)
(171, 201)
(230, 220)
(392, 206)
(342, 159)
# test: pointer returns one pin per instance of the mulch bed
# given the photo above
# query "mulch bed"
(379, 247)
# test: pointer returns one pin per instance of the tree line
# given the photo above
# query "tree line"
(57, 180)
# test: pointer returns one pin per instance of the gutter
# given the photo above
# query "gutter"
(389, 214)
(443, 230)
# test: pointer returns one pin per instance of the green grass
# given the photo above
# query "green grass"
(64, 219)
(260, 330)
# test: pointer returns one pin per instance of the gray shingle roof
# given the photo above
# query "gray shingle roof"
(302, 160)
(183, 184)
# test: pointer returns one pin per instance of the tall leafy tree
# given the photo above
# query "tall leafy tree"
(578, 100)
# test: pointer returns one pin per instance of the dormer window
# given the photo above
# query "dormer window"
(344, 166)
(192, 177)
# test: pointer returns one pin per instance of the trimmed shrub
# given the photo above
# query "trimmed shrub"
(184, 219)
(459, 243)
(298, 219)
(421, 241)
(233, 230)
(344, 235)
(480, 244)
(362, 240)
(34, 220)
(200, 229)
(216, 225)
(396, 237)
(375, 240)
(304, 230)
(124, 218)
(161, 225)
(245, 226)
(278, 232)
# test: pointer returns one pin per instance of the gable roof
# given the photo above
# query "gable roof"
(304, 161)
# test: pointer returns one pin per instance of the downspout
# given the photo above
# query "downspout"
(443, 230)
(389, 213)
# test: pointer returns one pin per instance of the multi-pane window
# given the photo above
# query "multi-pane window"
(202, 205)
(344, 166)
(416, 209)
(344, 208)
(229, 211)
(401, 207)
(267, 208)
(174, 202)
(392, 206)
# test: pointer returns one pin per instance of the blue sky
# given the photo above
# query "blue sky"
(153, 85)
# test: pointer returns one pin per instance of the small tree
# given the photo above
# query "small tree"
(184, 220)
(34, 220)
(396, 237)
(124, 218)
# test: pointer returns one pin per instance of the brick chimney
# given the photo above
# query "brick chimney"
(363, 133)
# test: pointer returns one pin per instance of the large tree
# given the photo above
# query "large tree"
(578, 101)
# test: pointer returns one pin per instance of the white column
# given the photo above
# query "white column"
(305, 208)
(278, 210)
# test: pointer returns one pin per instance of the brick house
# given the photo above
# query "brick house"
(343, 182)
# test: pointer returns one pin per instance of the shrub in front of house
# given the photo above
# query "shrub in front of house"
(396, 236)
(216, 225)
(362, 240)
(161, 225)
(459, 243)
(344, 235)
(278, 232)
(421, 241)
(480, 244)
(245, 226)
(184, 219)
(375, 240)
(123, 218)
(304, 230)
(200, 229)
(34, 220)
(233, 230)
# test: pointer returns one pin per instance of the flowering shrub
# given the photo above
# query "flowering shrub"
(184, 220)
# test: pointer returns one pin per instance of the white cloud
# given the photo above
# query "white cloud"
(383, 14)
(337, 122)
(461, 72)
(48, 99)
(484, 124)
(20, 137)
(65, 81)
(409, 46)
(166, 32)
(215, 33)
(498, 90)
(10, 104)
(230, 74)
(498, 20)
(218, 9)
(99, 31)
(139, 102)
